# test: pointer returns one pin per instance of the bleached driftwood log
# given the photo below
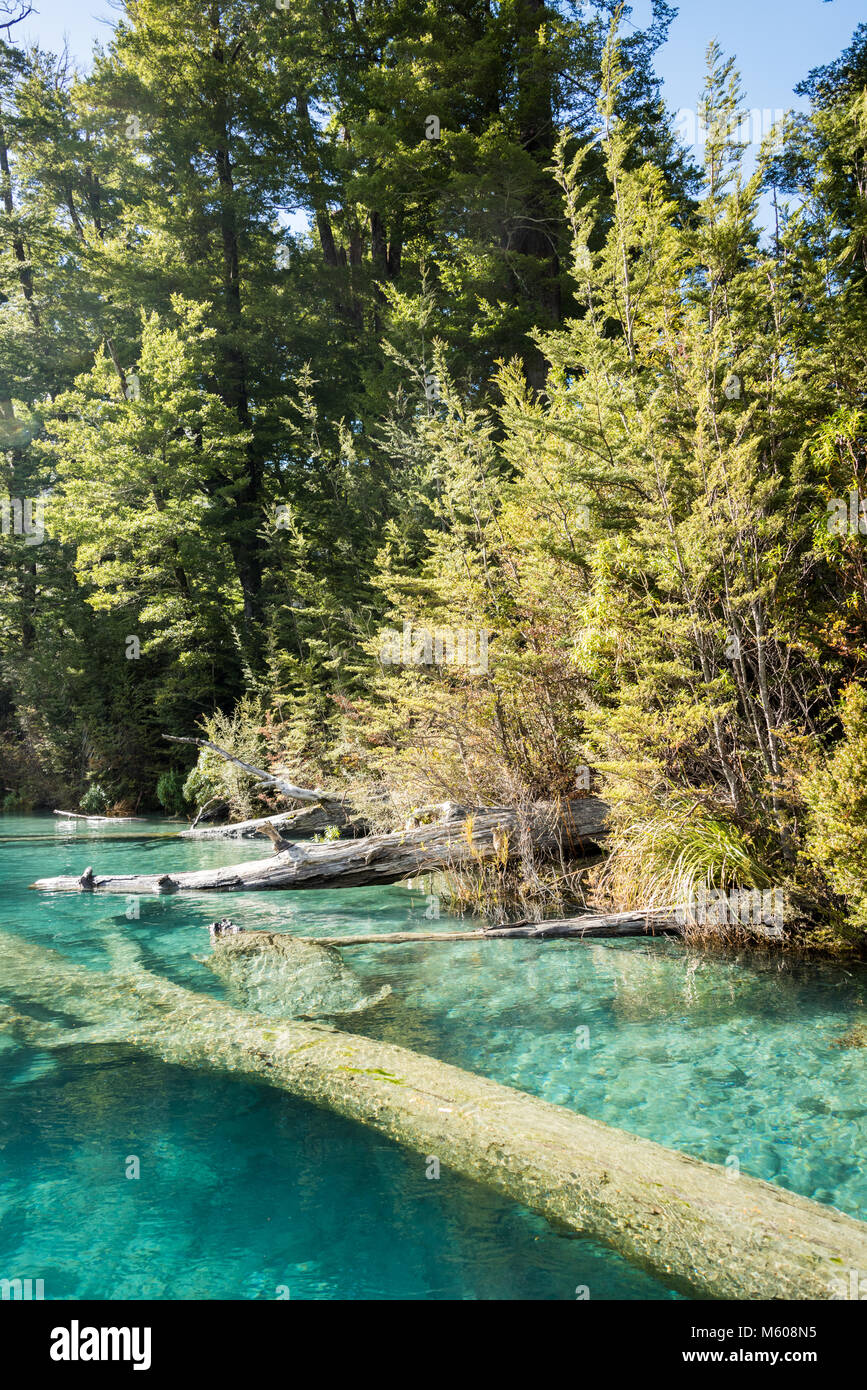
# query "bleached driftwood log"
(371, 858)
(102, 820)
(677, 1217)
(265, 779)
(655, 921)
(310, 818)
(652, 922)
(316, 817)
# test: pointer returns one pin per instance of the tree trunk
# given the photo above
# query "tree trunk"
(245, 543)
(25, 273)
(531, 235)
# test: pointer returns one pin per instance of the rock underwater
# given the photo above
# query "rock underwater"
(276, 975)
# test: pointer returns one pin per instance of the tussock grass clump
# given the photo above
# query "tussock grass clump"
(664, 855)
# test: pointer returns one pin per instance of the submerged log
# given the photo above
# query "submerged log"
(374, 858)
(677, 1217)
(286, 977)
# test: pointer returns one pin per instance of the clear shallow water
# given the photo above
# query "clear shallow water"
(244, 1189)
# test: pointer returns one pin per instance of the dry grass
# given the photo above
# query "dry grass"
(666, 856)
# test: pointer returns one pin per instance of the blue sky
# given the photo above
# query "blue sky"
(775, 42)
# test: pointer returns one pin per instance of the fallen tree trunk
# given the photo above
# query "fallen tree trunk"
(311, 818)
(103, 820)
(677, 1217)
(646, 922)
(308, 819)
(372, 858)
(265, 779)
(591, 924)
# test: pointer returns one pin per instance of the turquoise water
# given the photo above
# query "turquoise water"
(244, 1191)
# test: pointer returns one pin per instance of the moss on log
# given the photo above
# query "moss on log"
(677, 1217)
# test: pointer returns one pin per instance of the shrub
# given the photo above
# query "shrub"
(331, 832)
(19, 801)
(170, 792)
(94, 802)
(213, 779)
(835, 792)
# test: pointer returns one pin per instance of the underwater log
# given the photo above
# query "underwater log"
(681, 1219)
(286, 977)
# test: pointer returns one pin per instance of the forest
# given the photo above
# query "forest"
(390, 396)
